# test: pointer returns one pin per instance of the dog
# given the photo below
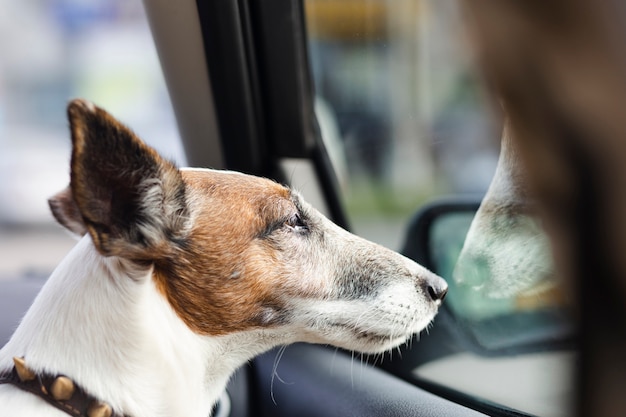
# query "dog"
(180, 276)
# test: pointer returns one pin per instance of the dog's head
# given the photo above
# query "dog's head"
(232, 252)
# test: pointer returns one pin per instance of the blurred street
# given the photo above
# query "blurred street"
(32, 252)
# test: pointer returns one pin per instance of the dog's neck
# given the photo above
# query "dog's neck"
(118, 338)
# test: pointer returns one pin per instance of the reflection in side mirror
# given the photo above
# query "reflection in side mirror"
(503, 293)
(506, 256)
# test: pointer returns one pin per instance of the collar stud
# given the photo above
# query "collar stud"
(23, 372)
(62, 388)
(99, 409)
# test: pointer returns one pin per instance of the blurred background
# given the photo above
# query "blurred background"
(398, 102)
(52, 51)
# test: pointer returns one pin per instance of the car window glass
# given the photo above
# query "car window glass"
(399, 106)
(518, 347)
(53, 51)
(402, 113)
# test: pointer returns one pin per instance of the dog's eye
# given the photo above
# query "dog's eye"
(295, 222)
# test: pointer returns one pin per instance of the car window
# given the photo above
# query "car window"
(404, 119)
(53, 51)
(516, 349)
(399, 106)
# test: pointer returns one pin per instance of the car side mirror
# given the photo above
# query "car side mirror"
(491, 311)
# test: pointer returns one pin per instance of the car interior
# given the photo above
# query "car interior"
(246, 80)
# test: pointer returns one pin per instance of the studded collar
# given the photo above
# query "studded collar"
(57, 390)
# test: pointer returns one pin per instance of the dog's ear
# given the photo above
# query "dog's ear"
(66, 212)
(131, 200)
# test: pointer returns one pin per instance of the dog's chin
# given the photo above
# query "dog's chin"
(372, 340)
(369, 342)
(373, 344)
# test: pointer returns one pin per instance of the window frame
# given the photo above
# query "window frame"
(257, 58)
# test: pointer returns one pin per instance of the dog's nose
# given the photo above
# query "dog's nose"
(436, 288)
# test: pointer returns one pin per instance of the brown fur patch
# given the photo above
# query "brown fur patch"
(227, 276)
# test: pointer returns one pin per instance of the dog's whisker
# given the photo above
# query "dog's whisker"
(332, 361)
(399, 352)
(275, 375)
(363, 365)
(352, 370)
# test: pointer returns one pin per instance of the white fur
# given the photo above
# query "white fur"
(118, 337)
